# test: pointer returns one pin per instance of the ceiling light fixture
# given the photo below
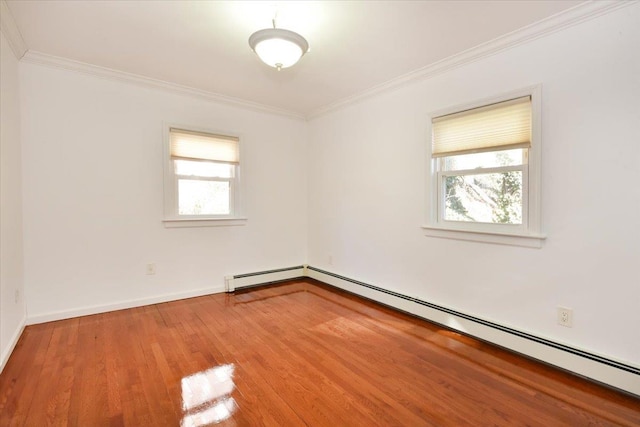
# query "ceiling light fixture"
(277, 47)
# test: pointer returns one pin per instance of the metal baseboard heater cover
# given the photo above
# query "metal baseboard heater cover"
(596, 367)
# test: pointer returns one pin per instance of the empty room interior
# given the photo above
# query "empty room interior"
(320, 213)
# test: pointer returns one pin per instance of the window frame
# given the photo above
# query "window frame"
(528, 233)
(171, 197)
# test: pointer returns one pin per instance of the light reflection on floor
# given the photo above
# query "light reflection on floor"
(206, 396)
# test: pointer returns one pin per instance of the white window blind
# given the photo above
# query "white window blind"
(202, 146)
(499, 126)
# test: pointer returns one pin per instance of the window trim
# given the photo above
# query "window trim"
(529, 233)
(170, 186)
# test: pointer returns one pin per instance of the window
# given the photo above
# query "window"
(484, 171)
(201, 178)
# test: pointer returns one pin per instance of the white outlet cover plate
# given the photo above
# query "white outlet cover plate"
(565, 317)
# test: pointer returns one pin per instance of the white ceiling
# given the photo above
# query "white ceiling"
(355, 45)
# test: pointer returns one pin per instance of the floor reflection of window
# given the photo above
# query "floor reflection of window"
(206, 396)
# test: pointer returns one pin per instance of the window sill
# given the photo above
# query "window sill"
(203, 222)
(524, 240)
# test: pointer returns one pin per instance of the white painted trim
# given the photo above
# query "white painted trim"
(6, 353)
(565, 19)
(111, 74)
(234, 282)
(570, 17)
(228, 284)
(524, 240)
(11, 32)
(170, 191)
(529, 234)
(592, 369)
(208, 222)
(104, 308)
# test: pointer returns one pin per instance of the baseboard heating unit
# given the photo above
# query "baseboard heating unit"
(596, 367)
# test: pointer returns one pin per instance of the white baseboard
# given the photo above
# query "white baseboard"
(263, 277)
(96, 309)
(6, 352)
(621, 375)
(599, 368)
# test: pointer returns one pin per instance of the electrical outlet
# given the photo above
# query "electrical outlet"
(151, 269)
(17, 296)
(565, 317)
(330, 259)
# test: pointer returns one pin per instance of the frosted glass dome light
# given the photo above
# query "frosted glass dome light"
(277, 47)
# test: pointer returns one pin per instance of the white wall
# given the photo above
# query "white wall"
(93, 200)
(349, 184)
(12, 312)
(367, 171)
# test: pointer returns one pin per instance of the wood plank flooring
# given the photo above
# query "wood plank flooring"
(295, 354)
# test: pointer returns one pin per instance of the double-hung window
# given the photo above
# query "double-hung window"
(484, 172)
(201, 177)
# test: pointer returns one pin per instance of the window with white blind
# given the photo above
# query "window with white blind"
(484, 171)
(201, 178)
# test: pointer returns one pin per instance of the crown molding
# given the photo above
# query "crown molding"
(560, 21)
(11, 32)
(571, 17)
(39, 58)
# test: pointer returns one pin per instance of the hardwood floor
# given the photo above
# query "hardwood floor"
(299, 353)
